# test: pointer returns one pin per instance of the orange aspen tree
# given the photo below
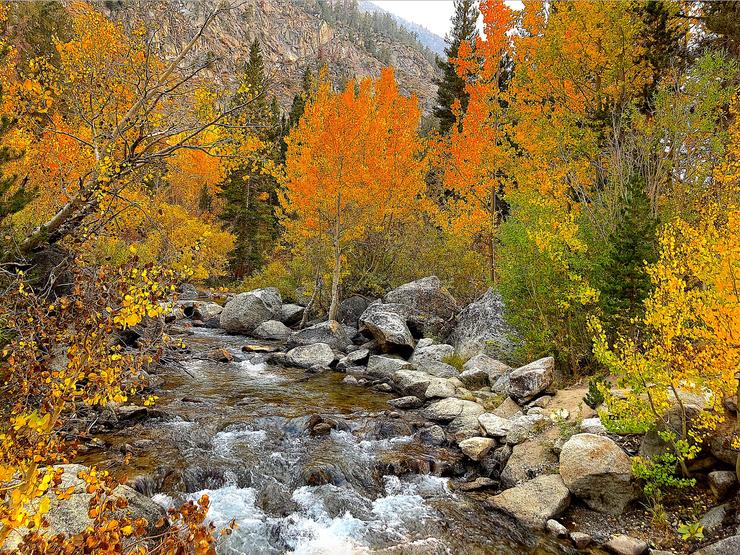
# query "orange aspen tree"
(478, 151)
(353, 165)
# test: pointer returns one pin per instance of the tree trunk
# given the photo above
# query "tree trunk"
(334, 306)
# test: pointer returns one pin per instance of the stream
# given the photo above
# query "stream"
(243, 432)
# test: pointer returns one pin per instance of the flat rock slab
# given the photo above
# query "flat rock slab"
(535, 502)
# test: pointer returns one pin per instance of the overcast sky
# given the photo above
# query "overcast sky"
(435, 15)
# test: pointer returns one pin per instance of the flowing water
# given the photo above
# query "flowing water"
(240, 432)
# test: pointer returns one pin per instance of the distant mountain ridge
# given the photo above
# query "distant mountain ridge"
(431, 40)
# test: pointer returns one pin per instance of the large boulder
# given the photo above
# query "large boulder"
(535, 502)
(727, 546)
(384, 367)
(527, 382)
(291, 314)
(332, 333)
(445, 410)
(388, 328)
(431, 353)
(495, 426)
(245, 311)
(481, 328)
(272, 329)
(70, 516)
(432, 308)
(488, 365)
(438, 369)
(307, 356)
(527, 461)
(477, 447)
(412, 382)
(595, 469)
(440, 388)
(351, 308)
(205, 311)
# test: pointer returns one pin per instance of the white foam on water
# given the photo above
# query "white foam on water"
(163, 500)
(258, 372)
(224, 442)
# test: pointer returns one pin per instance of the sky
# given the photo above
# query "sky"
(435, 15)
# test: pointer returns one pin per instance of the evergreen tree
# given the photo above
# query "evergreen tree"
(248, 193)
(451, 86)
(633, 245)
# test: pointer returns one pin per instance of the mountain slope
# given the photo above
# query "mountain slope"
(294, 34)
(427, 38)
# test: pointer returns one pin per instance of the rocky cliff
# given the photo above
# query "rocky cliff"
(293, 34)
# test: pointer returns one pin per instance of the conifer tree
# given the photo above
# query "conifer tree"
(248, 192)
(451, 85)
(633, 246)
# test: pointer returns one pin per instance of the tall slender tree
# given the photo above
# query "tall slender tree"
(248, 192)
(451, 86)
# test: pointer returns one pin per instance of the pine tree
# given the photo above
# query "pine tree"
(451, 86)
(633, 245)
(248, 193)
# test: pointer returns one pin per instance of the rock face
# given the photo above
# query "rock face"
(535, 502)
(596, 469)
(306, 356)
(246, 311)
(293, 36)
(70, 516)
(431, 307)
(388, 329)
(481, 328)
(331, 333)
(527, 382)
(272, 329)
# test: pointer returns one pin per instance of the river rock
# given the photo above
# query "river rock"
(432, 435)
(411, 382)
(481, 328)
(272, 329)
(350, 380)
(713, 519)
(508, 409)
(439, 388)
(477, 447)
(70, 516)
(527, 461)
(307, 356)
(501, 385)
(727, 546)
(432, 309)
(477, 484)
(626, 545)
(494, 425)
(406, 403)
(463, 427)
(722, 482)
(388, 329)
(595, 469)
(246, 311)
(445, 410)
(527, 382)
(435, 353)
(526, 426)
(493, 464)
(187, 291)
(593, 426)
(384, 367)
(291, 314)
(474, 378)
(438, 369)
(556, 529)
(580, 539)
(332, 333)
(535, 502)
(351, 308)
(355, 358)
(494, 368)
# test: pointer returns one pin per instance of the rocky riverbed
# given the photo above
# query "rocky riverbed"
(360, 437)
